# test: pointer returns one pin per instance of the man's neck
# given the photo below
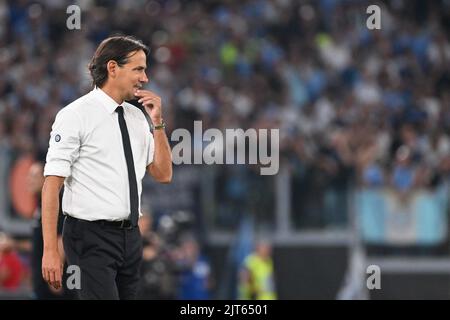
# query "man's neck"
(113, 94)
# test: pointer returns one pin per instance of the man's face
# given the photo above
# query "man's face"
(131, 76)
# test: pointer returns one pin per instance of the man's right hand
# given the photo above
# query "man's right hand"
(52, 268)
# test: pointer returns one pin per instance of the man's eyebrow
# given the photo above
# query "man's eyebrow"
(139, 68)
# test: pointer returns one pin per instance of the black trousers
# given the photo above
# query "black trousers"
(109, 258)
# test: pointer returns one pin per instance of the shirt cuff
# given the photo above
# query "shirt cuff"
(59, 169)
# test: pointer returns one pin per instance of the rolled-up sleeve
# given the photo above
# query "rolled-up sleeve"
(150, 149)
(64, 144)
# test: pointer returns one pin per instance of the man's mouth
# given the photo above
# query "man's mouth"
(136, 88)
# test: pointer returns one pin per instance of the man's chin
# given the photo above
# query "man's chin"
(130, 96)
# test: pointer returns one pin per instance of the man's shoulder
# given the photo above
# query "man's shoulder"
(80, 103)
(77, 106)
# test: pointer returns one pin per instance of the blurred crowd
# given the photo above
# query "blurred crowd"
(355, 107)
(353, 104)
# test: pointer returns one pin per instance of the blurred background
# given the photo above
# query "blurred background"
(364, 120)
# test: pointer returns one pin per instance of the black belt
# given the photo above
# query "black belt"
(121, 224)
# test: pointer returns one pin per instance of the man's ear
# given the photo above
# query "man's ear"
(111, 66)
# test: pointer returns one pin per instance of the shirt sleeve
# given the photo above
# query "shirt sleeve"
(64, 144)
(150, 149)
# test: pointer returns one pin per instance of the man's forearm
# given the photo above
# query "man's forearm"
(161, 168)
(50, 210)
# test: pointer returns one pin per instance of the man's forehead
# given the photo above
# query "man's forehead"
(137, 55)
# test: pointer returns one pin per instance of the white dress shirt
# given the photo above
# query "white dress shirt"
(86, 148)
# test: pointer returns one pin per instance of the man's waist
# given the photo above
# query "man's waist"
(91, 214)
(121, 224)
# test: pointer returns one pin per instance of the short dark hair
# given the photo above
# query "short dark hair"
(115, 48)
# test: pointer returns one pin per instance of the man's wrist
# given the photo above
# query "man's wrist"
(51, 248)
(158, 125)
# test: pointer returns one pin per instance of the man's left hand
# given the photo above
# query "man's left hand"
(152, 104)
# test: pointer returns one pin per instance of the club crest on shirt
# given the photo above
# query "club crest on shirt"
(57, 138)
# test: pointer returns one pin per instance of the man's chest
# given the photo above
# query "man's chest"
(103, 138)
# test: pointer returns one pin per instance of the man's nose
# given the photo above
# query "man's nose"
(144, 78)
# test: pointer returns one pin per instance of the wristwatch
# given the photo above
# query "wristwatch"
(160, 126)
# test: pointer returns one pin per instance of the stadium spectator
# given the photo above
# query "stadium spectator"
(12, 269)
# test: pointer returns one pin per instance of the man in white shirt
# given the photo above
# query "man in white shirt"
(100, 148)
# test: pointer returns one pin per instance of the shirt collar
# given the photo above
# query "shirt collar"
(106, 100)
